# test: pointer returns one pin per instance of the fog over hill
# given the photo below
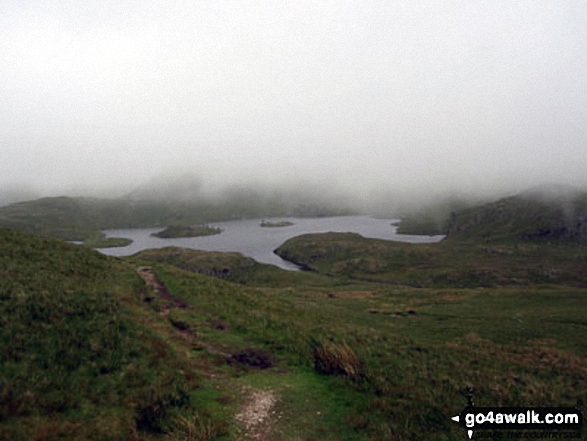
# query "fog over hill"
(370, 100)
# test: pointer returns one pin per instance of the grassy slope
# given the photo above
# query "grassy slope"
(77, 359)
(88, 352)
(393, 358)
(80, 218)
(556, 214)
(233, 267)
(417, 348)
(524, 217)
(446, 264)
(59, 217)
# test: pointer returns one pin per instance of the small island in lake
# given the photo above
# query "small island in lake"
(276, 224)
(101, 241)
(176, 231)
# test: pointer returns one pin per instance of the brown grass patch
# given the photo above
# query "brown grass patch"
(545, 358)
(354, 294)
(453, 298)
(541, 354)
(337, 359)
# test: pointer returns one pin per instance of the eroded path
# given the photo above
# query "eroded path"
(151, 281)
(146, 273)
(255, 414)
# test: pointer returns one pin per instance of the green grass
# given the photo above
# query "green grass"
(377, 342)
(446, 264)
(309, 406)
(515, 345)
(187, 231)
(230, 266)
(74, 360)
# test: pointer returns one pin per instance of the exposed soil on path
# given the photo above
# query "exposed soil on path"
(150, 279)
(255, 415)
(146, 273)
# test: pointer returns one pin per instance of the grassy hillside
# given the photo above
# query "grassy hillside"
(408, 353)
(445, 264)
(81, 218)
(176, 344)
(543, 214)
(232, 267)
(76, 358)
(529, 216)
(431, 219)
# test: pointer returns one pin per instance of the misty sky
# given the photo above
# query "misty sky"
(367, 94)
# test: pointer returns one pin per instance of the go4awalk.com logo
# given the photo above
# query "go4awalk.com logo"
(521, 422)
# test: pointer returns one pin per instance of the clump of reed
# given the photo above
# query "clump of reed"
(331, 358)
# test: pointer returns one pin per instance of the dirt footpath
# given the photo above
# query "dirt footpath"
(255, 414)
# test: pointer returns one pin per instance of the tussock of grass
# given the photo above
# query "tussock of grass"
(156, 405)
(332, 358)
(193, 428)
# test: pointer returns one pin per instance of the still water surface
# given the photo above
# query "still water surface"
(249, 238)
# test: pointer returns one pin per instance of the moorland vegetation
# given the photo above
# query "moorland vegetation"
(375, 340)
(81, 218)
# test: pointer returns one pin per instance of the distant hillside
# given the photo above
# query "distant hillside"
(558, 214)
(446, 264)
(80, 218)
(432, 219)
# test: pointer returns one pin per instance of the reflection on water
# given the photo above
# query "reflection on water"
(250, 239)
